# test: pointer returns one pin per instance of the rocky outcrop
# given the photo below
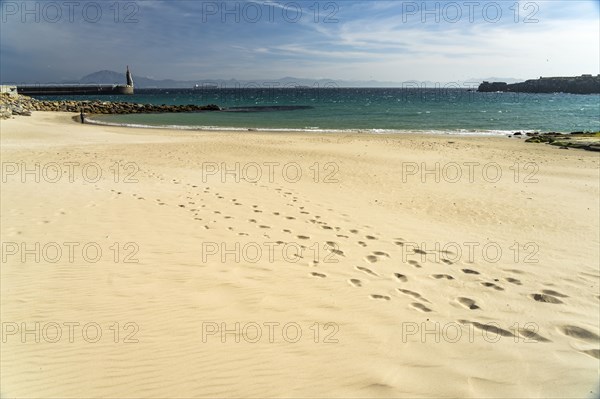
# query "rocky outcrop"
(487, 87)
(24, 105)
(580, 140)
(584, 84)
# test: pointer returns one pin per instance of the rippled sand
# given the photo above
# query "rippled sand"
(318, 266)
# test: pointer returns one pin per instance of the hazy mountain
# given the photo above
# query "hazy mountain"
(112, 77)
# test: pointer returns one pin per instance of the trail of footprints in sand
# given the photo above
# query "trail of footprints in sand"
(366, 274)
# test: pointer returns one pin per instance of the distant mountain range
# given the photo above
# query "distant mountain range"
(112, 77)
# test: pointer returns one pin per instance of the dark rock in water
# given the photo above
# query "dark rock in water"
(518, 134)
(267, 108)
(487, 87)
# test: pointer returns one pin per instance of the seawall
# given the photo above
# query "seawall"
(49, 90)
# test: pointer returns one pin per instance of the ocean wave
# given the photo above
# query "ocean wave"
(267, 108)
(313, 129)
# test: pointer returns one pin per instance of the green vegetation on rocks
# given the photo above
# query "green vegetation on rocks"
(582, 140)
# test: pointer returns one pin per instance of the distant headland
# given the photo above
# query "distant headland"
(584, 84)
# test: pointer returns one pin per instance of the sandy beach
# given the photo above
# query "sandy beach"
(161, 263)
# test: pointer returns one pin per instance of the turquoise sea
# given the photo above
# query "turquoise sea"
(377, 110)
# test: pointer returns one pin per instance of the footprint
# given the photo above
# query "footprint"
(579, 333)
(415, 295)
(414, 263)
(469, 271)
(595, 353)
(532, 335)
(448, 262)
(367, 270)
(420, 307)
(467, 303)
(354, 231)
(400, 243)
(320, 275)
(377, 296)
(554, 293)
(370, 237)
(362, 243)
(303, 237)
(441, 276)
(355, 282)
(337, 252)
(401, 277)
(513, 281)
(371, 258)
(515, 271)
(492, 285)
(545, 298)
(489, 328)
(380, 253)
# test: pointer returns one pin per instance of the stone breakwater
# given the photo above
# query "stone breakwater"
(24, 105)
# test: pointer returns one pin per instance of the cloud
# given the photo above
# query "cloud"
(389, 40)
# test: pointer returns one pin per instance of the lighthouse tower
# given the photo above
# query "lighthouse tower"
(128, 89)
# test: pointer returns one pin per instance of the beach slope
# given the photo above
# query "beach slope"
(157, 263)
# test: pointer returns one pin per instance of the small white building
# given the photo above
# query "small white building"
(11, 90)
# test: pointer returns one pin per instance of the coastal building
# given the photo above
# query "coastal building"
(10, 90)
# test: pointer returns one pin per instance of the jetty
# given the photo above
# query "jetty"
(78, 89)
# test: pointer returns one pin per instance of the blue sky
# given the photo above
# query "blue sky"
(440, 41)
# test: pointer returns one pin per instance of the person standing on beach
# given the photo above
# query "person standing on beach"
(82, 115)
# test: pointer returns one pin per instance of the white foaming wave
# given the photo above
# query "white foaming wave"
(315, 129)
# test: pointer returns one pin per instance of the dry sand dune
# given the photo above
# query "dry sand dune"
(337, 266)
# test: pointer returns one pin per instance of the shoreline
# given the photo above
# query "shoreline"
(95, 109)
(458, 133)
(588, 141)
(182, 198)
